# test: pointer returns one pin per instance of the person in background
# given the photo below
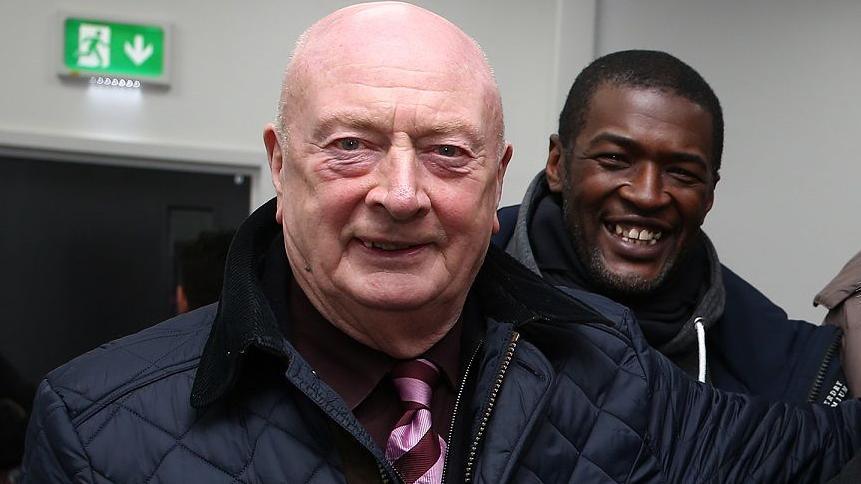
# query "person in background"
(618, 209)
(842, 298)
(201, 270)
(368, 332)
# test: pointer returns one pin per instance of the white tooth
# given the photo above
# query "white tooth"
(645, 235)
(658, 236)
(634, 234)
(653, 241)
(626, 239)
(618, 230)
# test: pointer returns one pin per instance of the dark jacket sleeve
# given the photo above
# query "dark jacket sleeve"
(702, 434)
(54, 453)
(777, 357)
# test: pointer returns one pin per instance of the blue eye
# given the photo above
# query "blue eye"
(448, 151)
(349, 144)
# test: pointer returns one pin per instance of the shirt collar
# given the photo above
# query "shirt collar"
(352, 369)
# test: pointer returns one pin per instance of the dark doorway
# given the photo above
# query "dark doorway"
(87, 251)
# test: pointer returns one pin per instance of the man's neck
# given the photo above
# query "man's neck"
(399, 334)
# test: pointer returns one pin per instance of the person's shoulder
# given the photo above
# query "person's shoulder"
(168, 349)
(774, 355)
(746, 305)
(550, 314)
(738, 287)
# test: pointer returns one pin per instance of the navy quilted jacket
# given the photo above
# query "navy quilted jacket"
(566, 390)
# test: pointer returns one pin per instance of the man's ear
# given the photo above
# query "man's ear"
(555, 169)
(275, 155)
(710, 200)
(500, 175)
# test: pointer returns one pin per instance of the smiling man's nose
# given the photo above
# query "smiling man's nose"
(400, 188)
(645, 188)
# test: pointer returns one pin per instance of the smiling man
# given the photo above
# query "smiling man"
(629, 180)
(367, 331)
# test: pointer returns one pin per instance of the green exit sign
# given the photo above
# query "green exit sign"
(97, 47)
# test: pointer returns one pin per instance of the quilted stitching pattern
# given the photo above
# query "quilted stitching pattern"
(590, 434)
(133, 418)
(605, 399)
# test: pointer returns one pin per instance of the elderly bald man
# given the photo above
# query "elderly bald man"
(366, 334)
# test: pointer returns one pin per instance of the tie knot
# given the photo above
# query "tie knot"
(414, 380)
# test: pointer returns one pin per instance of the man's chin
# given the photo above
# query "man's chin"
(394, 302)
(627, 281)
(627, 285)
(398, 297)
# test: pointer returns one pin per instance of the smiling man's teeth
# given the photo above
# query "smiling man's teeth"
(632, 234)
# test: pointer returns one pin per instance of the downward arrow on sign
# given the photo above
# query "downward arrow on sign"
(138, 53)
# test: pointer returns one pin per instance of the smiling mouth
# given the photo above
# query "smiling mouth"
(634, 234)
(389, 246)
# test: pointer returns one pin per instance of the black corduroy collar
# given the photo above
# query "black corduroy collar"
(244, 318)
(506, 291)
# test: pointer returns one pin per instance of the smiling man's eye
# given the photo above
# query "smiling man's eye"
(612, 161)
(448, 150)
(611, 157)
(349, 144)
(684, 175)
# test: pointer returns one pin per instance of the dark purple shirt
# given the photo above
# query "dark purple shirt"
(360, 375)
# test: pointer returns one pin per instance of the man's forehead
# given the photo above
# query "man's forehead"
(384, 73)
(383, 61)
(384, 118)
(623, 103)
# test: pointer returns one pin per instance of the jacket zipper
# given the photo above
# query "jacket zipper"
(384, 478)
(457, 402)
(820, 375)
(383, 475)
(494, 392)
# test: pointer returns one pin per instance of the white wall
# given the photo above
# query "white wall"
(785, 70)
(227, 61)
(787, 73)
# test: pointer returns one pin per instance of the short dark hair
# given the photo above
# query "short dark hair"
(648, 69)
(201, 267)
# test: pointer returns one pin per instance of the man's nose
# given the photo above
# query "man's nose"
(645, 187)
(400, 188)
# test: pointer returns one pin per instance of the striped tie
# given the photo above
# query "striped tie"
(414, 448)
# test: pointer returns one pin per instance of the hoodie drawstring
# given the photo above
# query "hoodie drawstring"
(701, 347)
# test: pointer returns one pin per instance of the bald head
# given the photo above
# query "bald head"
(379, 38)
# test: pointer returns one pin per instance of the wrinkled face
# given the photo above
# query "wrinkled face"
(636, 184)
(390, 182)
